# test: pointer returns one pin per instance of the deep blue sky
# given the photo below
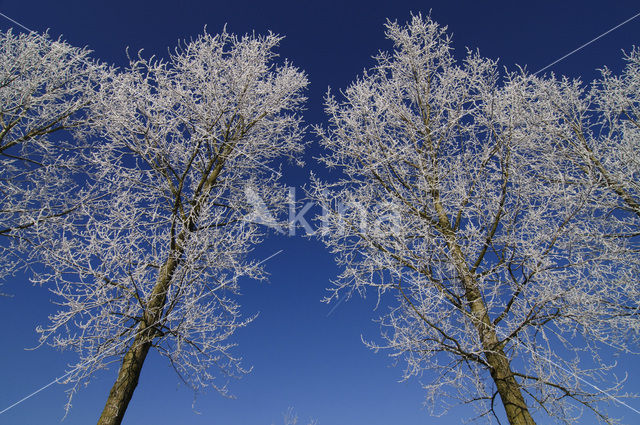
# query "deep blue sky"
(301, 357)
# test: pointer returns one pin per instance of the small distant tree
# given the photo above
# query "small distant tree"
(46, 87)
(154, 262)
(291, 418)
(455, 200)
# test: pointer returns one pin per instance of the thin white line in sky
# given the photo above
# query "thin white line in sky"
(587, 43)
(17, 23)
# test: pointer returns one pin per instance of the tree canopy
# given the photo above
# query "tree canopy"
(496, 212)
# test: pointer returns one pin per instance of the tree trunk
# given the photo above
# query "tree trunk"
(122, 391)
(500, 367)
(127, 381)
(508, 388)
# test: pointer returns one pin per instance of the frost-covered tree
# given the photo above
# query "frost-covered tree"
(588, 139)
(291, 418)
(154, 261)
(612, 149)
(592, 137)
(45, 86)
(454, 200)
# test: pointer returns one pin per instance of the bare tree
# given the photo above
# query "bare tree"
(291, 418)
(154, 261)
(614, 155)
(588, 139)
(45, 87)
(454, 204)
(592, 135)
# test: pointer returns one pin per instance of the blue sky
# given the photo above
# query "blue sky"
(301, 355)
